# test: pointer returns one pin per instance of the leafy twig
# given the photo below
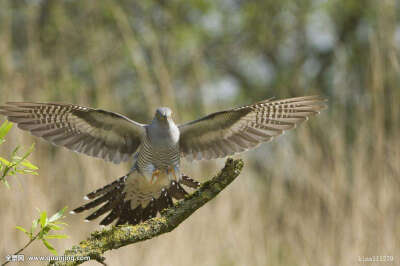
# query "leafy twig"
(46, 226)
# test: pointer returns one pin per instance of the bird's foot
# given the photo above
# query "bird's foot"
(172, 173)
(155, 176)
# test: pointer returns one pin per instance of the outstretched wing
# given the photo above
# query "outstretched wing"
(94, 132)
(228, 132)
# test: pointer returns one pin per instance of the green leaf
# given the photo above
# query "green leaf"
(26, 172)
(4, 161)
(45, 231)
(55, 227)
(4, 128)
(57, 236)
(17, 159)
(58, 215)
(31, 148)
(33, 227)
(22, 229)
(34, 224)
(49, 247)
(29, 165)
(43, 219)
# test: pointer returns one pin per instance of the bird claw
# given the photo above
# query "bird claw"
(171, 170)
(154, 176)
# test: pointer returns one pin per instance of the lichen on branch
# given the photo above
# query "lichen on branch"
(119, 236)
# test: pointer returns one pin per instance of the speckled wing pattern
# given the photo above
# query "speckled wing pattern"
(228, 132)
(95, 132)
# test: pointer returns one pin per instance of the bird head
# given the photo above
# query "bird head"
(163, 114)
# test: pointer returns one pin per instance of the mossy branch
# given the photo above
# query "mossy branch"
(116, 237)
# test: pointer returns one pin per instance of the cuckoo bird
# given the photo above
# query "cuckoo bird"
(156, 148)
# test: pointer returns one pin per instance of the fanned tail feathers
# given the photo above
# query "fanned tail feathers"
(112, 196)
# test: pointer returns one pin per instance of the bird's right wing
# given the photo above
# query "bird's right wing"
(107, 135)
(228, 132)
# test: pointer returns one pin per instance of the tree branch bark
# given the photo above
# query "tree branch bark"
(116, 237)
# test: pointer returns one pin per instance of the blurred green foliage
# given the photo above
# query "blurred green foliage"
(17, 164)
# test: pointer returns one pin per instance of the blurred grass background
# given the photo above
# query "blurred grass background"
(323, 194)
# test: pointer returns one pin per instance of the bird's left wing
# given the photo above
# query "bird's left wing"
(228, 132)
(95, 132)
